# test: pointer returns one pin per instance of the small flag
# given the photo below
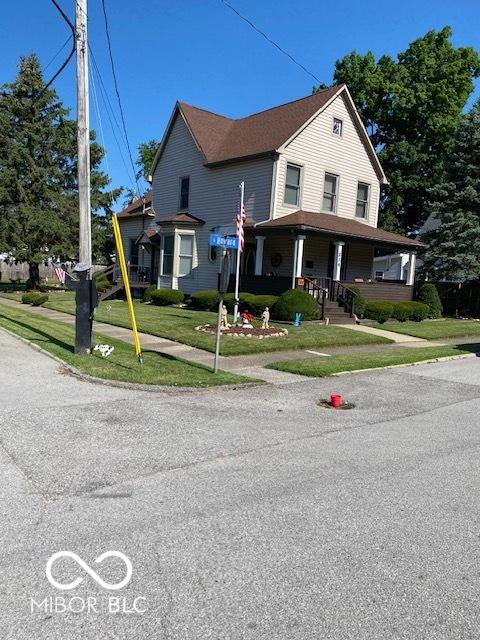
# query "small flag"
(241, 217)
(60, 273)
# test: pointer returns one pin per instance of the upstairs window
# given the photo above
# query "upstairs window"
(363, 196)
(184, 192)
(185, 256)
(337, 127)
(330, 189)
(167, 263)
(292, 185)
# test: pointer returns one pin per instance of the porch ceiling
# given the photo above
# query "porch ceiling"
(333, 225)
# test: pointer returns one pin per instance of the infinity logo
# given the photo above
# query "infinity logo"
(87, 569)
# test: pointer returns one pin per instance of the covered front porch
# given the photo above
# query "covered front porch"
(324, 252)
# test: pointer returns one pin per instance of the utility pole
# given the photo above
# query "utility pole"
(84, 311)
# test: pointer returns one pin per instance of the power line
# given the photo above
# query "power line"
(58, 53)
(112, 64)
(272, 42)
(111, 117)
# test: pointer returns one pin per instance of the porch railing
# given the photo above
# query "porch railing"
(318, 288)
(323, 289)
(345, 296)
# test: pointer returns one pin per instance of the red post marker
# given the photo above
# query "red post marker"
(336, 400)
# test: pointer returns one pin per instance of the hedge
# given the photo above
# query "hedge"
(250, 302)
(378, 310)
(166, 297)
(296, 301)
(415, 311)
(147, 294)
(428, 294)
(34, 298)
(204, 299)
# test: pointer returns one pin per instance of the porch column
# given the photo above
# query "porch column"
(411, 269)
(259, 255)
(298, 259)
(337, 260)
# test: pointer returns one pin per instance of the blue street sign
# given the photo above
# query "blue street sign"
(227, 242)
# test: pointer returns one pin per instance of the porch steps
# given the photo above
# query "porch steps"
(336, 314)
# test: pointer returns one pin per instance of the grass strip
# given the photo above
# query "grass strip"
(58, 339)
(326, 366)
(435, 329)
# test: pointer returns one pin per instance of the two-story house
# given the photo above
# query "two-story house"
(312, 189)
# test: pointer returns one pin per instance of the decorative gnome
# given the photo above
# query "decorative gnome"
(224, 318)
(266, 318)
(247, 320)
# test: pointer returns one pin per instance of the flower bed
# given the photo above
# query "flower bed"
(246, 332)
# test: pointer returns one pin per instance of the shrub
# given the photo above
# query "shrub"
(401, 311)
(360, 301)
(204, 299)
(102, 283)
(34, 298)
(428, 294)
(166, 297)
(378, 310)
(418, 311)
(248, 301)
(296, 301)
(147, 294)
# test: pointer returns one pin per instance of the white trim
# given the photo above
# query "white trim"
(298, 205)
(337, 135)
(337, 260)
(259, 255)
(411, 269)
(274, 187)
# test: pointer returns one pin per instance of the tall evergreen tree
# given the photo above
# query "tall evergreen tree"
(411, 107)
(454, 247)
(38, 175)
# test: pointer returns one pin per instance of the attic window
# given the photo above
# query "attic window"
(337, 127)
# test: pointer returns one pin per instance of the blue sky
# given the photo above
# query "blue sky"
(200, 52)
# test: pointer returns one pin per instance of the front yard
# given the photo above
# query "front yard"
(327, 366)
(435, 329)
(58, 338)
(179, 325)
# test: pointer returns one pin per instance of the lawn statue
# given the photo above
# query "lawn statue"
(247, 320)
(224, 318)
(298, 320)
(265, 318)
(105, 349)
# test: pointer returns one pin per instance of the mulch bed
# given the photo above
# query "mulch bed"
(244, 332)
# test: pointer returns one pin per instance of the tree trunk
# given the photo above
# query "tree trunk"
(33, 276)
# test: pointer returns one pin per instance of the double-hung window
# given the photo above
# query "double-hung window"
(185, 256)
(337, 127)
(292, 185)
(363, 196)
(184, 192)
(330, 192)
(167, 260)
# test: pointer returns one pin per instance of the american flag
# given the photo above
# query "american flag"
(241, 217)
(60, 273)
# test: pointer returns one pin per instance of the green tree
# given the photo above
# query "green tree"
(411, 107)
(38, 175)
(146, 155)
(454, 247)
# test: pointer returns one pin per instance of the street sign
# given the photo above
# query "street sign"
(226, 242)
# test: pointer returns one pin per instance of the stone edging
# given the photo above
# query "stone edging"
(407, 364)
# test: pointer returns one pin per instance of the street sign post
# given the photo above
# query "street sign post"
(222, 289)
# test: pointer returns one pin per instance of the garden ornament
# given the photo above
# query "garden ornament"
(104, 349)
(265, 318)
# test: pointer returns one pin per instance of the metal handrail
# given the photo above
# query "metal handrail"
(345, 296)
(319, 293)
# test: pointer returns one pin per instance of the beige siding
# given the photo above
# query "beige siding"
(318, 151)
(213, 196)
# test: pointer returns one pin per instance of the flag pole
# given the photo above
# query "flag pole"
(239, 251)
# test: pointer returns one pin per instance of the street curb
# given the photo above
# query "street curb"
(133, 386)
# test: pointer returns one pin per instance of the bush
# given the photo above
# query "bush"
(415, 311)
(147, 294)
(166, 297)
(360, 301)
(428, 294)
(378, 310)
(102, 283)
(296, 301)
(248, 301)
(34, 298)
(204, 299)
(401, 311)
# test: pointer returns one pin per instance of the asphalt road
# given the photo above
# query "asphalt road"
(249, 513)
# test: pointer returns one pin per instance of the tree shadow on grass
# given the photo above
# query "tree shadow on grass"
(48, 336)
(473, 348)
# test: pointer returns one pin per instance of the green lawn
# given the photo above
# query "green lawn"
(326, 366)
(179, 324)
(435, 329)
(58, 338)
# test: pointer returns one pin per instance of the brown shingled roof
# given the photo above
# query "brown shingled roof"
(180, 218)
(221, 139)
(335, 225)
(139, 207)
